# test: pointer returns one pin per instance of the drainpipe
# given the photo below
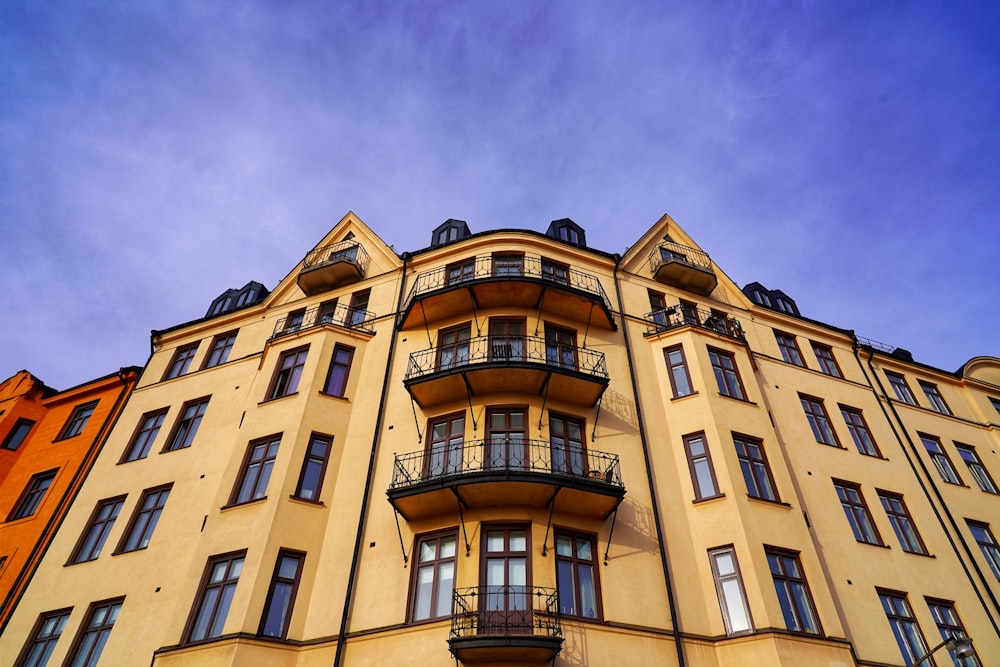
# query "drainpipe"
(923, 486)
(649, 475)
(376, 438)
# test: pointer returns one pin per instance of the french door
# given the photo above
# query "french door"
(506, 438)
(507, 339)
(560, 347)
(505, 603)
(445, 442)
(453, 347)
(566, 445)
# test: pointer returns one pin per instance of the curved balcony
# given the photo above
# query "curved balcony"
(505, 624)
(687, 268)
(340, 315)
(492, 472)
(682, 315)
(490, 281)
(332, 266)
(500, 364)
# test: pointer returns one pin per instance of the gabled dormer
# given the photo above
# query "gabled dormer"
(567, 231)
(234, 299)
(449, 231)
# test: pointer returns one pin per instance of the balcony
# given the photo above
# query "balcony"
(332, 266)
(506, 364)
(492, 472)
(687, 268)
(340, 316)
(494, 281)
(505, 624)
(682, 315)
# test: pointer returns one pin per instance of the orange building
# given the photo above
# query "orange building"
(48, 441)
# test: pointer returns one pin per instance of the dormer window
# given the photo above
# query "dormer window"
(567, 231)
(449, 231)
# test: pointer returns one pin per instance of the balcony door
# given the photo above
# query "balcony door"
(507, 438)
(560, 347)
(508, 265)
(566, 445)
(557, 273)
(445, 442)
(453, 347)
(461, 272)
(505, 602)
(507, 339)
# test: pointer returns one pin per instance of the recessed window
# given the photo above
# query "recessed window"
(94, 633)
(756, 471)
(256, 471)
(288, 373)
(18, 434)
(899, 386)
(904, 625)
(33, 494)
(934, 397)
(680, 380)
(281, 595)
(313, 468)
(208, 616)
(902, 523)
(187, 425)
(976, 467)
(43, 639)
(940, 458)
(577, 576)
(819, 421)
(987, 544)
(726, 375)
(729, 588)
(950, 626)
(700, 465)
(181, 362)
(433, 577)
(789, 348)
(826, 360)
(858, 515)
(218, 354)
(78, 420)
(793, 592)
(858, 429)
(147, 514)
(96, 533)
(340, 367)
(142, 441)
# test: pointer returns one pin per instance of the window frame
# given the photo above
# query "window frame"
(901, 388)
(180, 362)
(114, 606)
(358, 308)
(728, 379)
(753, 466)
(860, 425)
(146, 432)
(902, 522)
(16, 437)
(858, 514)
(995, 402)
(289, 601)
(219, 350)
(939, 457)
(186, 426)
(337, 364)
(788, 345)
(205, 585)
(895, 615)
(575, 562)
(786, 591)
(951, 626)
(309, 462)
(260, 469)
(934, 397)
(142, 524)
(988, 546)
(693, 459)
(285, 381)
(672, 370)
(97, 527)
(725, 603)
(976, 468)
(826, 360)
(78, 420)
(435, 564)
(31, 497)
(818, 417)
(47, 642)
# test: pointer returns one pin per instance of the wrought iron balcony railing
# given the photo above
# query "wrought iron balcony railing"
(482, 611)
(668, 251)
(682, 315)
(343, 251)
(506, 456)
(341, 315)
(506, 350)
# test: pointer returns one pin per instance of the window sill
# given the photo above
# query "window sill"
(681, 398)
(698, 501)
(307, 501)
(334, 396)
(255, 501)
(917, 553)
(874, 544)
(130, 551)
(734, 398)
(175, 449)
(765, 501)
(277, 398)
(827, 444)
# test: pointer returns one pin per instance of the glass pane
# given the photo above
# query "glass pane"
(446, 582)
(564, 546)
(496, 573)
(724, 563)
(428, 550)
(697, 446)
(277, 610)
(422, 604)
(495, 540)
(518, 572)
(289, 567)
(518, 540)
(735, 608)
(448, 547)
(704, 474)
(588, 597)
(236, 568)
(517, 420)
(583, 550)
(567, 587)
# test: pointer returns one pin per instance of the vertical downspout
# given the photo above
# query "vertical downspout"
(376, 437)
(649, 476)
(923, 486)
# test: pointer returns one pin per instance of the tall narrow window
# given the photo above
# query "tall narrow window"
(899, 386)
(78, 420)
(293, 321)
(326, 311)
(94, 633)
(445, 444)
(256, 471)
(987, 544)
(433, 577)
(453, 346)
(218, 354)
(680, 380)
(566, 445)
(507, 339)
(700, 465)
(313, 468)
(181, 362)
(827, 362)
(819, 421)
(902, 524)
(950, 626)
(756, 471)
(976, 467)
(32, 495)
(505, 578)
(506, 438)
(281, 596)
(187, 426)
(43, 639)
(208, 616)
(856, 510)
(560, 347)
(18, 434)
(904, 626)
(940, 458)
(793, 592)
(288, 373)
(577, 576)
(658, 306)
(340, 367)
(147, 513)
(729, 588)
(359, 308)
(726, 375)
(96, 533)
(934, 397)
(142, 441)
(789, 348)
(858, 429)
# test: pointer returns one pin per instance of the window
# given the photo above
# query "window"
(256, 471)
(793, 593)
(286, 378)
(555, 272)
(187, 426)
(789, 348)
(460, 272)
(453, 346)
(560, 347)
(566, 445)
(726, 375)
(281, 595)
(857, 512)
(313, 468)
(934, 397)
(506, 438)
(976, 467)
(326, 311)
(358, 313)
(17, 434)
(858, 429)
(149, 427)
(43, 639)
(940, 458)
(140, 528)
(819, 421)
(340, 366)
(445, 443)
(827, 362)
(729, 587)
(94, 633)
(219, 352)
(33, 494)
(949, 625)
(577, 576)
(995, 402)
(181, 362)
(987, 544)
(904, 625)
(756, 472)
(78, 420)
(658, 305)
(902, 524)
(507, 339)
(700, 464)
(505, 576)
(208, 616)
(96, 533)
(680, 380)
(508, 265)
(433, 577)
(902, 389)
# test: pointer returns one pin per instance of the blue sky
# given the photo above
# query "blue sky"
(153, 155)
